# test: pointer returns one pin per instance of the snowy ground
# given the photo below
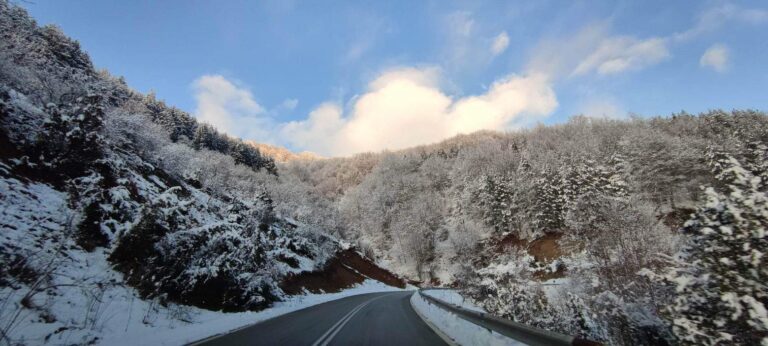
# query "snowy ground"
(458, 330)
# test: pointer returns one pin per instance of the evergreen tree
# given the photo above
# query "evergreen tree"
(200, 137)
(549, 203)
(721, 277)
(207, 137)
(178, 124)
(245, 154)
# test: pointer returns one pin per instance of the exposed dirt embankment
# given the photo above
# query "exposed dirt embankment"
(544, 250)
(346, 270)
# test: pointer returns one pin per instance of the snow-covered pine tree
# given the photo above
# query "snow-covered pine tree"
(248, 155)
(549, 203)
(721, 277)
(207, 137)
(495, 198)
(178, 124)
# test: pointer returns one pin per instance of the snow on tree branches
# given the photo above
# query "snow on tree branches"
(721, 277)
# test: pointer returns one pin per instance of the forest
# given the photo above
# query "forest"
(625, 226)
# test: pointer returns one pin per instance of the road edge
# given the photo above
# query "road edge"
(434, 328)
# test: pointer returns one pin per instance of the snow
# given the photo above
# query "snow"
(460, 331)
(29, 208)
(557, 289)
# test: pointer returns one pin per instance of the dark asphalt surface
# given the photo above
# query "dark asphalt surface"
(366, 319)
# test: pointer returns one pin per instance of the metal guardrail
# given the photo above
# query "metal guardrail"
(520, 332)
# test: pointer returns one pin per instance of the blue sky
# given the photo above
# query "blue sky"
(344, 77)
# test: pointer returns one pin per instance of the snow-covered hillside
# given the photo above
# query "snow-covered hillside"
(120, 215)
(561, 227)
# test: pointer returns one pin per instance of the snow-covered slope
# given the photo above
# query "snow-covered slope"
(122, 216)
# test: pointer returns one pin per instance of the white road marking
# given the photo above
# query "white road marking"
(330, 330)
(330, 333)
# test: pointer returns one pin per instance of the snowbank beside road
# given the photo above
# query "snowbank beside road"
(453, 327)
(453, 297)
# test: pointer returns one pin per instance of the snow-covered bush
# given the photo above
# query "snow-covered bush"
(620, 237)
(171, 254)
(71, 136)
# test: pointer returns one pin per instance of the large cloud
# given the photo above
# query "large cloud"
(406, 107)
(400, 108)
(229, 108)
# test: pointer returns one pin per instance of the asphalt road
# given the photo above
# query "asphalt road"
(367, 319)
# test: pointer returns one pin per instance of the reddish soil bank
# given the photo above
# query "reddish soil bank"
(347, 269)
(434, 282)
(546, 248)
(543, 249)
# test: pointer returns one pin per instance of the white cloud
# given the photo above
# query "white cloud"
(469, 45)
(716, 57)
(594, 50)
(461, 24)
(229, 108)
(623, 53)
(366, 29)
(559, 57)
(400, 108)
(604, 107)
(317, 131)
(289, 104)
(460, 43)
(405, 107)
(357, 49)
(500, 43)
(715, 17)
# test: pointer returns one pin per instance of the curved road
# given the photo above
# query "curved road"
(366, 319)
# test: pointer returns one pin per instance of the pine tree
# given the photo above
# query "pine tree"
(178, 124)
(207, 137)
(721, 277)
(550, 203)
(492, 198)
(201, 137)
(245, 154)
